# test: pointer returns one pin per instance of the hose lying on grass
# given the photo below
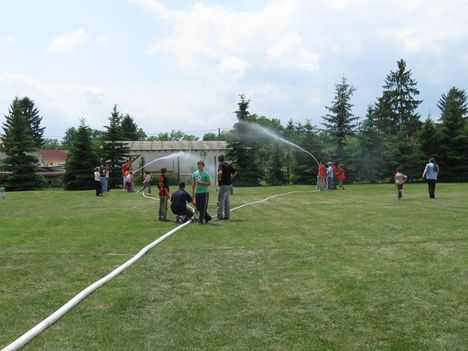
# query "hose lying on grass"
(39, 328)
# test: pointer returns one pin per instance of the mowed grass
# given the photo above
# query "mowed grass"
(337, 270)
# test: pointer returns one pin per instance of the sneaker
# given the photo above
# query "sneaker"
(208, 219)
(226, 218)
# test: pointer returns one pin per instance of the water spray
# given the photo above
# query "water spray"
(177, 154)
(268, 132)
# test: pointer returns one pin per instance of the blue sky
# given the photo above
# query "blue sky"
(182, 64)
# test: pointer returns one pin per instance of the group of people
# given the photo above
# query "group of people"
(430, 174)
(200, 194)
(330, 176)
(101, 180)
(199, 197)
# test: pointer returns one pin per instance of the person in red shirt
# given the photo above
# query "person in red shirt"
(340, 176)
(322, 174)
(126, 167)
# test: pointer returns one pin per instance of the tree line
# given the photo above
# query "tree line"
(390, 135)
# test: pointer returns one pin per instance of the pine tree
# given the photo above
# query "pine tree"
(275, 174)
(81, 161)
(129, 128)
(370, 158)
(242, 152)
(18, 145)
(454, 139)
(459, 96)
(33, 119)
(114, 152)
(304, 167)
(398, 104)
(339, 122)
(429, 139)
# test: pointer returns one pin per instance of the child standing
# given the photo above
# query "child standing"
(340, 176)
(163, 186)
(146, 183)
(400, 179)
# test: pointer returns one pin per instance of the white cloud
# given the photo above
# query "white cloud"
(10, 40)
(68, 42)
(290, 52)
(233, 66)
(206, 38)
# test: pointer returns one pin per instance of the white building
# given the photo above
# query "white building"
(179, 157)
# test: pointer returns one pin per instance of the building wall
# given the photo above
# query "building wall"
(184, 162)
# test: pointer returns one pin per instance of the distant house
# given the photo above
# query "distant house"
(52, 158)
(177, 156)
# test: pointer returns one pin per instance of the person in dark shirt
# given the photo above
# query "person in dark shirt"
(226, 174)
(179, 200)
(164, 191)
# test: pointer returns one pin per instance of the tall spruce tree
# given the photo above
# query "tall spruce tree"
(275, 174)
(304, 168)
(339, 122)
(429, 139)
(114, 151)
(129, 128)
(454, 138)
(81, 160)
(371, 150)
(398, 104)
(33, 119)
(243, 152)
(19, 145)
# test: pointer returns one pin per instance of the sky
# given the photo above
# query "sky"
(182, 65)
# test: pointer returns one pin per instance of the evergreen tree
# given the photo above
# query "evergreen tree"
(114, 152)
(33, 119)
(129, 128)
(81, 161)
(398, 104)
(460, 98)
(242, 152)
(370, 158)
(289, 134)
(339, 122)
(68, 139)
(429, 139)
(454, 139)
(275, 174)
(304, 168)
(18, 145)
(404, 152)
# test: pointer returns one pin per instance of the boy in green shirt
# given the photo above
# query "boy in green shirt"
(200, 183)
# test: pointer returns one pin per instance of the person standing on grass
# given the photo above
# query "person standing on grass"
(163, 186)
(146, 183)
(106, 177)
(430, 173)
(129, 181)
(400, 179)
(340, 176)
(103, 180)
(322, 174)
(200, 183)
(125, 170)
(330, 177)
(97, 181)
(226, 174)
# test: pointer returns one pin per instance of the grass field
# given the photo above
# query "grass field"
(337, 270)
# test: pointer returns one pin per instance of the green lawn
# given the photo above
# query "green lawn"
(337, 270)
